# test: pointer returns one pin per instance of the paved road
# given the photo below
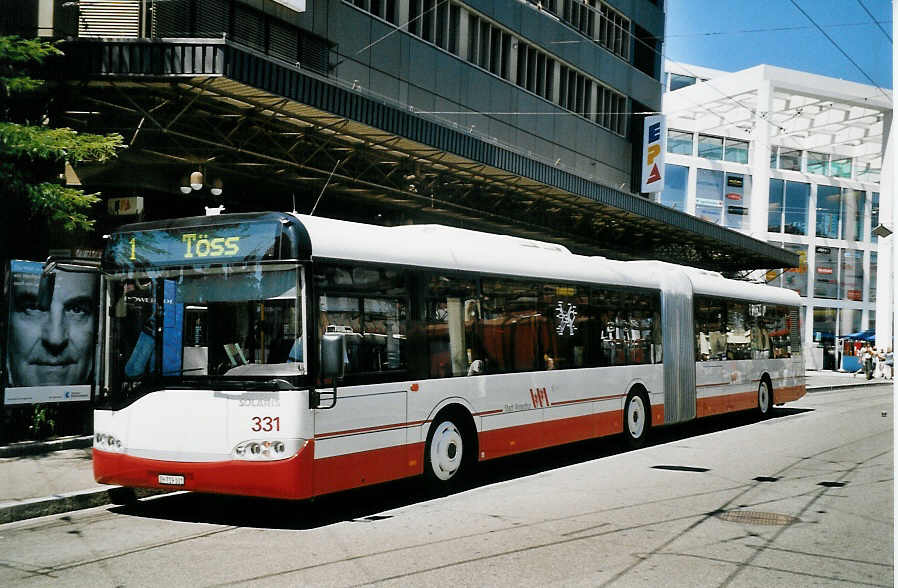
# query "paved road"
(802, 499)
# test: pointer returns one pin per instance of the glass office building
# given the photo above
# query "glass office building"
(794, 159)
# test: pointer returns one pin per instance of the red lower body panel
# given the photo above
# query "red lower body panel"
(724, 403)
(788, 394)
(353, 470)
(510, 440)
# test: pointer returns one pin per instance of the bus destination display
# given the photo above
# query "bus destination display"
(193, 245)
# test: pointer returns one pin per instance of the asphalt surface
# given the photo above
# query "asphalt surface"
(45, 478)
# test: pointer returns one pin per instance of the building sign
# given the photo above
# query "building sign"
(125, 206)
(51, 334)
(654, 144)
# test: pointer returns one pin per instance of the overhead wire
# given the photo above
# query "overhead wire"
(873, 18)
(841, 50)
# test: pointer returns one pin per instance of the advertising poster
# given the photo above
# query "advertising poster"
(51, 333)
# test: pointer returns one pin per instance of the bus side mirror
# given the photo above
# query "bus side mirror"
(333, 354)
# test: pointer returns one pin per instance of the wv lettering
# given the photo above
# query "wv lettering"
(539, 398)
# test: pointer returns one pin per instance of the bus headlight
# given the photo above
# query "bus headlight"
(107, 442)
(266, 449)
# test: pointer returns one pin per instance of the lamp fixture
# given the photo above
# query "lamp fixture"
(882, 231)
(196, 180)
(185, 185)
(217, 187)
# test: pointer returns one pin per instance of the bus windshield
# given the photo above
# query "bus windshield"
(196, 326)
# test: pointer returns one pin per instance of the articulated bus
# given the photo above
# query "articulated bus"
(289, 356)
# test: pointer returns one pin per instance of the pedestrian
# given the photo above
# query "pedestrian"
(867, 356)
(888, 364)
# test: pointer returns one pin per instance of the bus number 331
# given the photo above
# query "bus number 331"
(266, 424)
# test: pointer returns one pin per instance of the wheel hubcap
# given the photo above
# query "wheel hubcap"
(764, 398)
(446, 450)
(636, 417)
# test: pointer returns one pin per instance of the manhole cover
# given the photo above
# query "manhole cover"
(753, 517)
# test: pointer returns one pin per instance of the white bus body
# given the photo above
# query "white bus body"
(271, 436)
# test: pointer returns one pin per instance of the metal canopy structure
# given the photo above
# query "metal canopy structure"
(807, 112)
(273, 128)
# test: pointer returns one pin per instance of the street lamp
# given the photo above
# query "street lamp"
(882, 231)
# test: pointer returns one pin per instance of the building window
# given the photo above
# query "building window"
(614, 32)
(710, 147)
(853, 204)
(829, 209)
(796, 211)
(679, 142)
(678, 81)
(872, 293)
(824, 322)
(709, 195)
(851, 284)
(840, 167)
(796, 278)
(825, 276)
(775, 206)
(817, 163)
(790, 159)
(874, 215)
(675, 180)
(736, 151)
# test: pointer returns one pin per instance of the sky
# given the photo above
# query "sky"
(736, 34)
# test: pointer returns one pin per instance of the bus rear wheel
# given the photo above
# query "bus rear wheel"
(765, 399)
(636, 419)
(445, 453)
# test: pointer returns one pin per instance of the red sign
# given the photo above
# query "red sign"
(734, 196)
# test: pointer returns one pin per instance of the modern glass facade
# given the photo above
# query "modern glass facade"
(809, 210)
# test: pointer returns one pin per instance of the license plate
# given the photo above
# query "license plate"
(171, 480)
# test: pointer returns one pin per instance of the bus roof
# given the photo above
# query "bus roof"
(452, 248)
(424, 246)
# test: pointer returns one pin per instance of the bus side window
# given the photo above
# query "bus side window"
(369, 306)
(510, 326)
(568, 325)
(451, 311)
(710, 329)
(739, 323)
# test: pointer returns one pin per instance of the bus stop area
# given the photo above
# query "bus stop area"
(54, 477)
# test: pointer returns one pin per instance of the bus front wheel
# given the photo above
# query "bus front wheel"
(444, 456)
(636, 419)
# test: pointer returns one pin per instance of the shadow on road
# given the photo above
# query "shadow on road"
(364, 505)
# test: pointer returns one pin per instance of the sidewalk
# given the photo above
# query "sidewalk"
(39, 479)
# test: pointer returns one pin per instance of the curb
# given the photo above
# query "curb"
(832, 387)
(71, 501)
(39, 447)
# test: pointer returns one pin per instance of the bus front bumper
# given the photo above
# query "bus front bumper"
(289, 478)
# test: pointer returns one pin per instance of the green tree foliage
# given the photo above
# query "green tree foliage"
(32, 153)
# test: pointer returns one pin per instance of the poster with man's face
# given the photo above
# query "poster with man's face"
(52, 330)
